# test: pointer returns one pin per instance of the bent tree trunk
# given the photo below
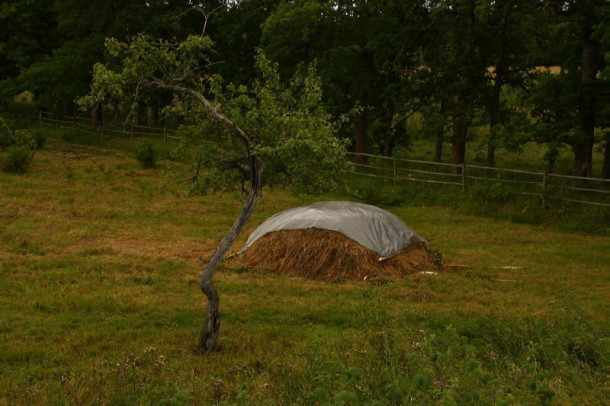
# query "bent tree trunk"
(211, 326)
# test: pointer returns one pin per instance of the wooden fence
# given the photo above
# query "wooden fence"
(101, 128)
(542, 185)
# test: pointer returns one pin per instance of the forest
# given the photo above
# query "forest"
(518, 71)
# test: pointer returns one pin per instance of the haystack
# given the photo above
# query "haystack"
(337, 241)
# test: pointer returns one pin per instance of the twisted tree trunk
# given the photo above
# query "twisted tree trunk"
(211, 326)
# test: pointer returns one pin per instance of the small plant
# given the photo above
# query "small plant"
(487, 193)
(17, 160)
(146, 155)
(6, 134)
(24, 138)
(39, 137)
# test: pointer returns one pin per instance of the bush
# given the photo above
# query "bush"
(146, 155)
(487, 192)
(17, 160)
(20, 137)
(24, 138)
(6, 134)
(39, 137)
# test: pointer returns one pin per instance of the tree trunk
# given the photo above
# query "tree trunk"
(142, 114)
(494, 116)
(211, 326)
(438, 151)
(361, 125)
(491, 150)
(458, 151)
(440, 136)
(463, 116)
(96, 114)
(606, 165)
(115, 110)
(387, 142)
(586, 109)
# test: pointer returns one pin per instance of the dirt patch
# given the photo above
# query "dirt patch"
(188, 250)
(329, 255)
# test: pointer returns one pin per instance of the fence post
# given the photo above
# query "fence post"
(545, 176)
(394, 170)
(463, 176)
(57, 123)
(39, 116)
(103, 128)
(131, 132)
(164, 135)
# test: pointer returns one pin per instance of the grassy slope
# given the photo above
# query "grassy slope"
(99, 263)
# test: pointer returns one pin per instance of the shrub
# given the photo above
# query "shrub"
(24, 138)
(146, 155)
(6, 134)
(487, 192)
(17, 160)
(20, 137)
(39, 136)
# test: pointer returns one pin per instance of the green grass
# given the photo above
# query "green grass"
(99, 303)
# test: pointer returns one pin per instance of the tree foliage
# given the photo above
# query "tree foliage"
(267, 130)
(457, 64)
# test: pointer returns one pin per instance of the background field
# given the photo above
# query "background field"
(99, 303)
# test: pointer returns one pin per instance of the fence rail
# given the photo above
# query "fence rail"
(89, 126)
(542, 185)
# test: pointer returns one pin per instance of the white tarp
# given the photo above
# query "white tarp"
(374, 228)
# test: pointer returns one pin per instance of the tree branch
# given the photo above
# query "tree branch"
(212, 109)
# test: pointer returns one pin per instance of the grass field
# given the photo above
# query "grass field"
(99, 303)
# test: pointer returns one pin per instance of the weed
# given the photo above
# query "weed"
(240, 269)
(6, 134)
(24, 138)
(486, 193)
(39, 136)
(146, 155)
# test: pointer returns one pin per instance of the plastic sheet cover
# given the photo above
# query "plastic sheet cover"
(374, 228)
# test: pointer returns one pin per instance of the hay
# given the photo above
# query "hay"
(329, 255)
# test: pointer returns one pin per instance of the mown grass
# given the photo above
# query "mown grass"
(99, 303)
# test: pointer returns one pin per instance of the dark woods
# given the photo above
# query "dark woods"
(517, 71)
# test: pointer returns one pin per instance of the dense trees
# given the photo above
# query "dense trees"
(28, 34)
(524, 70)
(576, 33)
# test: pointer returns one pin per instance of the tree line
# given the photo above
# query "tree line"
(526, 70)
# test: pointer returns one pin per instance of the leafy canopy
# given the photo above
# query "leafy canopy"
(284, 125)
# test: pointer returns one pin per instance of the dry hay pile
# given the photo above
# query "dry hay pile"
(328, 255)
